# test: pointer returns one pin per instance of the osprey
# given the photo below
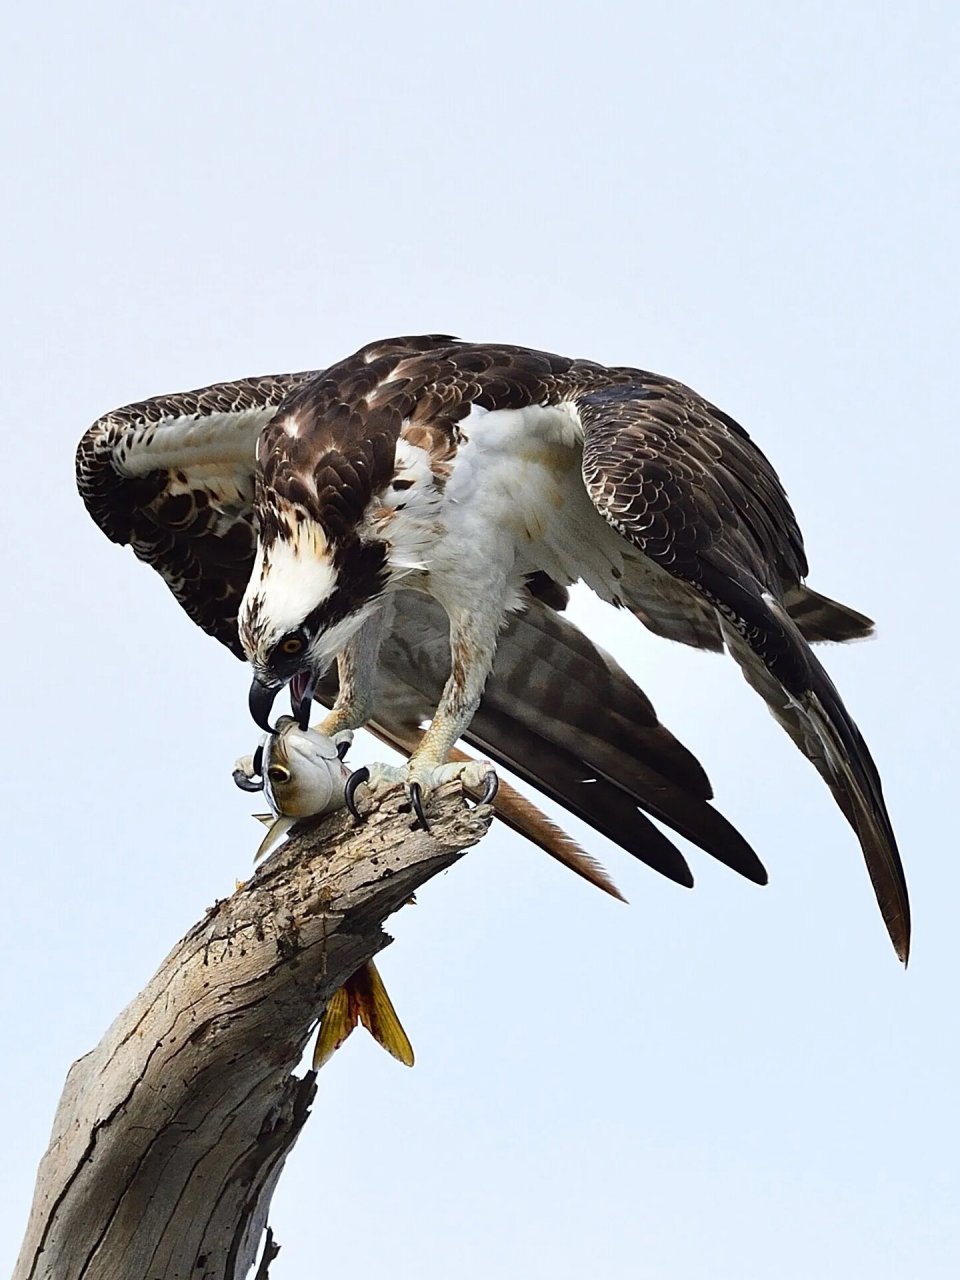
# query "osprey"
(349, 514)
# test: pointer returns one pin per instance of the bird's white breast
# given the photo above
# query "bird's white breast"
(514, 502)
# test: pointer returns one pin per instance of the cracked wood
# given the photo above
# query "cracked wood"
(171, 1135)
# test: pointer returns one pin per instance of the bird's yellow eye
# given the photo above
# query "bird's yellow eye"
(277, 773)
(292, 644)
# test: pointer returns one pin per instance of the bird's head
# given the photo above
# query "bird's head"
(305, 599)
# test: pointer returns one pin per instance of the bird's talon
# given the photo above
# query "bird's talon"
(246, 782)
(248, 772)
(491, 787)
(356, 779)
(416, 799)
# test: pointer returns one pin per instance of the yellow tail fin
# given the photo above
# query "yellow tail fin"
(362, 998)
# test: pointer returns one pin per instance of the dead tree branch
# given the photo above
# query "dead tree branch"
(171, 1135)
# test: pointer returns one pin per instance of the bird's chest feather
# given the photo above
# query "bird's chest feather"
(508, 481)
(500, 504)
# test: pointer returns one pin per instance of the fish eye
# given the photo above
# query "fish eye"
(278, 773)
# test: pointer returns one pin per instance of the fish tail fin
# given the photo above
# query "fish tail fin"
(362, 999)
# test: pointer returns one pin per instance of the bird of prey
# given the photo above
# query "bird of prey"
(428, 484)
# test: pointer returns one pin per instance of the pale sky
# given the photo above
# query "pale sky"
(758, 199)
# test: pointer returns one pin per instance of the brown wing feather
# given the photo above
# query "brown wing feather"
(684, 484)
(333, 446)
(173, 477)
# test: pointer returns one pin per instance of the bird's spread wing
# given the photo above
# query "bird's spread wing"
(173, 478)
(685, 485)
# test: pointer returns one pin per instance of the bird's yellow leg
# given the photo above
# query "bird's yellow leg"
(473, 642)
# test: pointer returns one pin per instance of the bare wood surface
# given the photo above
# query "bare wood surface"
(171, 1135)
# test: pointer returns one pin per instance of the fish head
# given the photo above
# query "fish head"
(303, 774)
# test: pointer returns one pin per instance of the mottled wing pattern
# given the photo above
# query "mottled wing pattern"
(691, 485)
(332, 449)
(173, 477)
(334, 445)
(564, 716)
(684, 483)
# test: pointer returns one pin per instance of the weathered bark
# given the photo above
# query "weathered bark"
(171, 1135)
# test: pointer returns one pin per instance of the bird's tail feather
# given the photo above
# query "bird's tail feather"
(820, 618)
(608, 790)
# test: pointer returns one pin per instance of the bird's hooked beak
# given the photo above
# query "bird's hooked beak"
(262, 697)
(261, 700)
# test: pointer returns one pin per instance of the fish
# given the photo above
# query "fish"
(302, 775)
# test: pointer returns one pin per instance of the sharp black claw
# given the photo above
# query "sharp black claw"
(258, 761)
(491, 787)
(356, 779)
(416, 799)
(342, 749)
(245, 782)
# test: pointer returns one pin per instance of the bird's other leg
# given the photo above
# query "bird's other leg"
(357, 673)
(473, 643)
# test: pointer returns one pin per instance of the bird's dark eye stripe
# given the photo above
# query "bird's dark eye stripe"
(334, 609)
(361, 576)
